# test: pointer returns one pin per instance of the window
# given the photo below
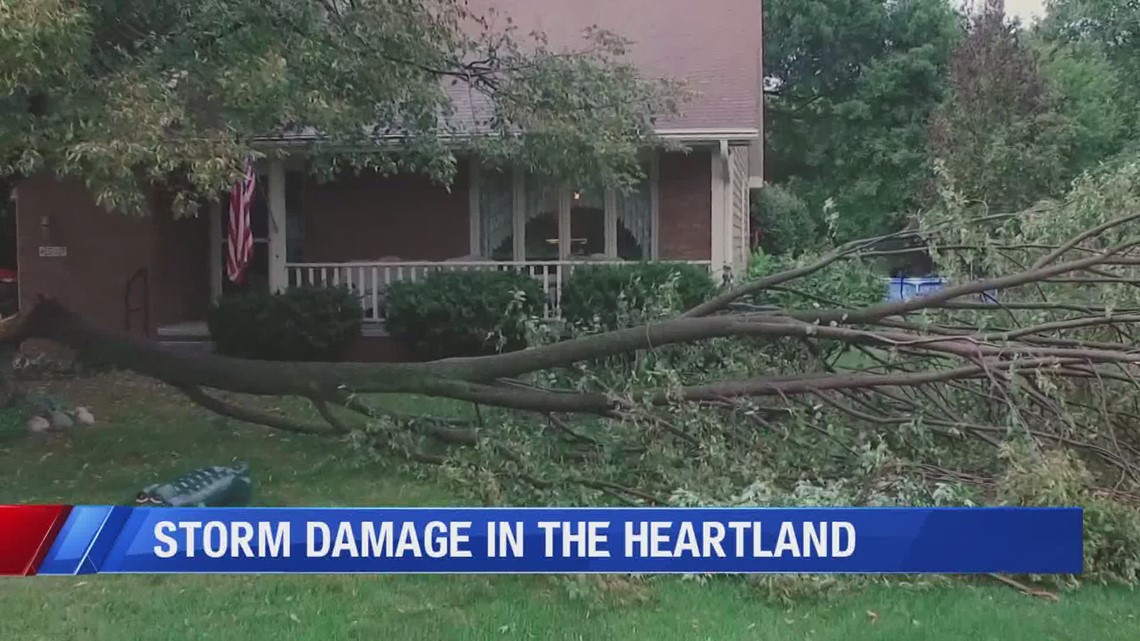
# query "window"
(294, 217)
(635, 220)
(587, 223)
(496, 215)
(542, 208)
(557, 222)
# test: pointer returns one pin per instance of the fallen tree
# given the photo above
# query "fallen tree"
(774, 390)
(1000, 359)
(742, 400)
(481, 379)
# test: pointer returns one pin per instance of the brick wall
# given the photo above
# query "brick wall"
(684, 206)
(104, 250)
(372, 216)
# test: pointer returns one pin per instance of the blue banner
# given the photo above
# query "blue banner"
(117, 540)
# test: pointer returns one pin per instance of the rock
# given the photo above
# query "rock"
(84, 416)
(38, 425)
(60, 420)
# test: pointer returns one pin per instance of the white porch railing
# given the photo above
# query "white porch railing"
(371, 279)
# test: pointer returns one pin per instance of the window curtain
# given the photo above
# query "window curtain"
(496, 206)
(634, 213)
(541, 220)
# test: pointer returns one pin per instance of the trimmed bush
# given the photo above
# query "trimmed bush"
(785, 221)
(298, 324)
(606, 295)
(463, 313)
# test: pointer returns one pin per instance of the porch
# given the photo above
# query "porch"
(369, 231)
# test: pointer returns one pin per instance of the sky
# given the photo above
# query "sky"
(1025, 9)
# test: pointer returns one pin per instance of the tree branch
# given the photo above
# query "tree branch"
(248, 415)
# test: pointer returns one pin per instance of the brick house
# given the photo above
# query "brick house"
(156, 276)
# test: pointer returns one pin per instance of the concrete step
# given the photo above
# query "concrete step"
(188, 346)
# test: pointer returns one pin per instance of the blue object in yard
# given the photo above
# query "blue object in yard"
(900, 289)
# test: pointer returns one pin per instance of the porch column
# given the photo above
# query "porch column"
(474, 217)
(278, 276)
(611, 226)
(654, 249)
(565, 202)
(216, 251)
(518, 214)
(720, 210)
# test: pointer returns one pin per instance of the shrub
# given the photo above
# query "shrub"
(846, 283)
(465, 313)
(785, 221)
(298, 324)
(1059, 479)
(601, 295)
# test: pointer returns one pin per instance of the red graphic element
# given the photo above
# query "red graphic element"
(26, 535)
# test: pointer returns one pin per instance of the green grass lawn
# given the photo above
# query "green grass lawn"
(147, 434)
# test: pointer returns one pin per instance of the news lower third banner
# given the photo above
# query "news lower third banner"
(89, 539)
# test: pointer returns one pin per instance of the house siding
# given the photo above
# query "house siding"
(371, 216)
(684, 216)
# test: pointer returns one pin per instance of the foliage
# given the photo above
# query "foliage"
(1095, 97)
(786, 223)
(1000, 136)
(853, 84)
(604, 295)
(1111, 27)
(1094, 59)
(464, 313)
(298, 324)
(1096, 198)
(122, 95)
(851, 283)
(924, 445)
(1111, 531)
(854, 283)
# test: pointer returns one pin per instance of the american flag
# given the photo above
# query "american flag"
(240, 235)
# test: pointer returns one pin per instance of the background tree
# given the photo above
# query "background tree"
(1094, 96)
(123, 94)
(1000, 135)
(1092, 54)
(852, 87)
(1112, 26)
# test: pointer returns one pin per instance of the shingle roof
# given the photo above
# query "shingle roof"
(714, 45)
